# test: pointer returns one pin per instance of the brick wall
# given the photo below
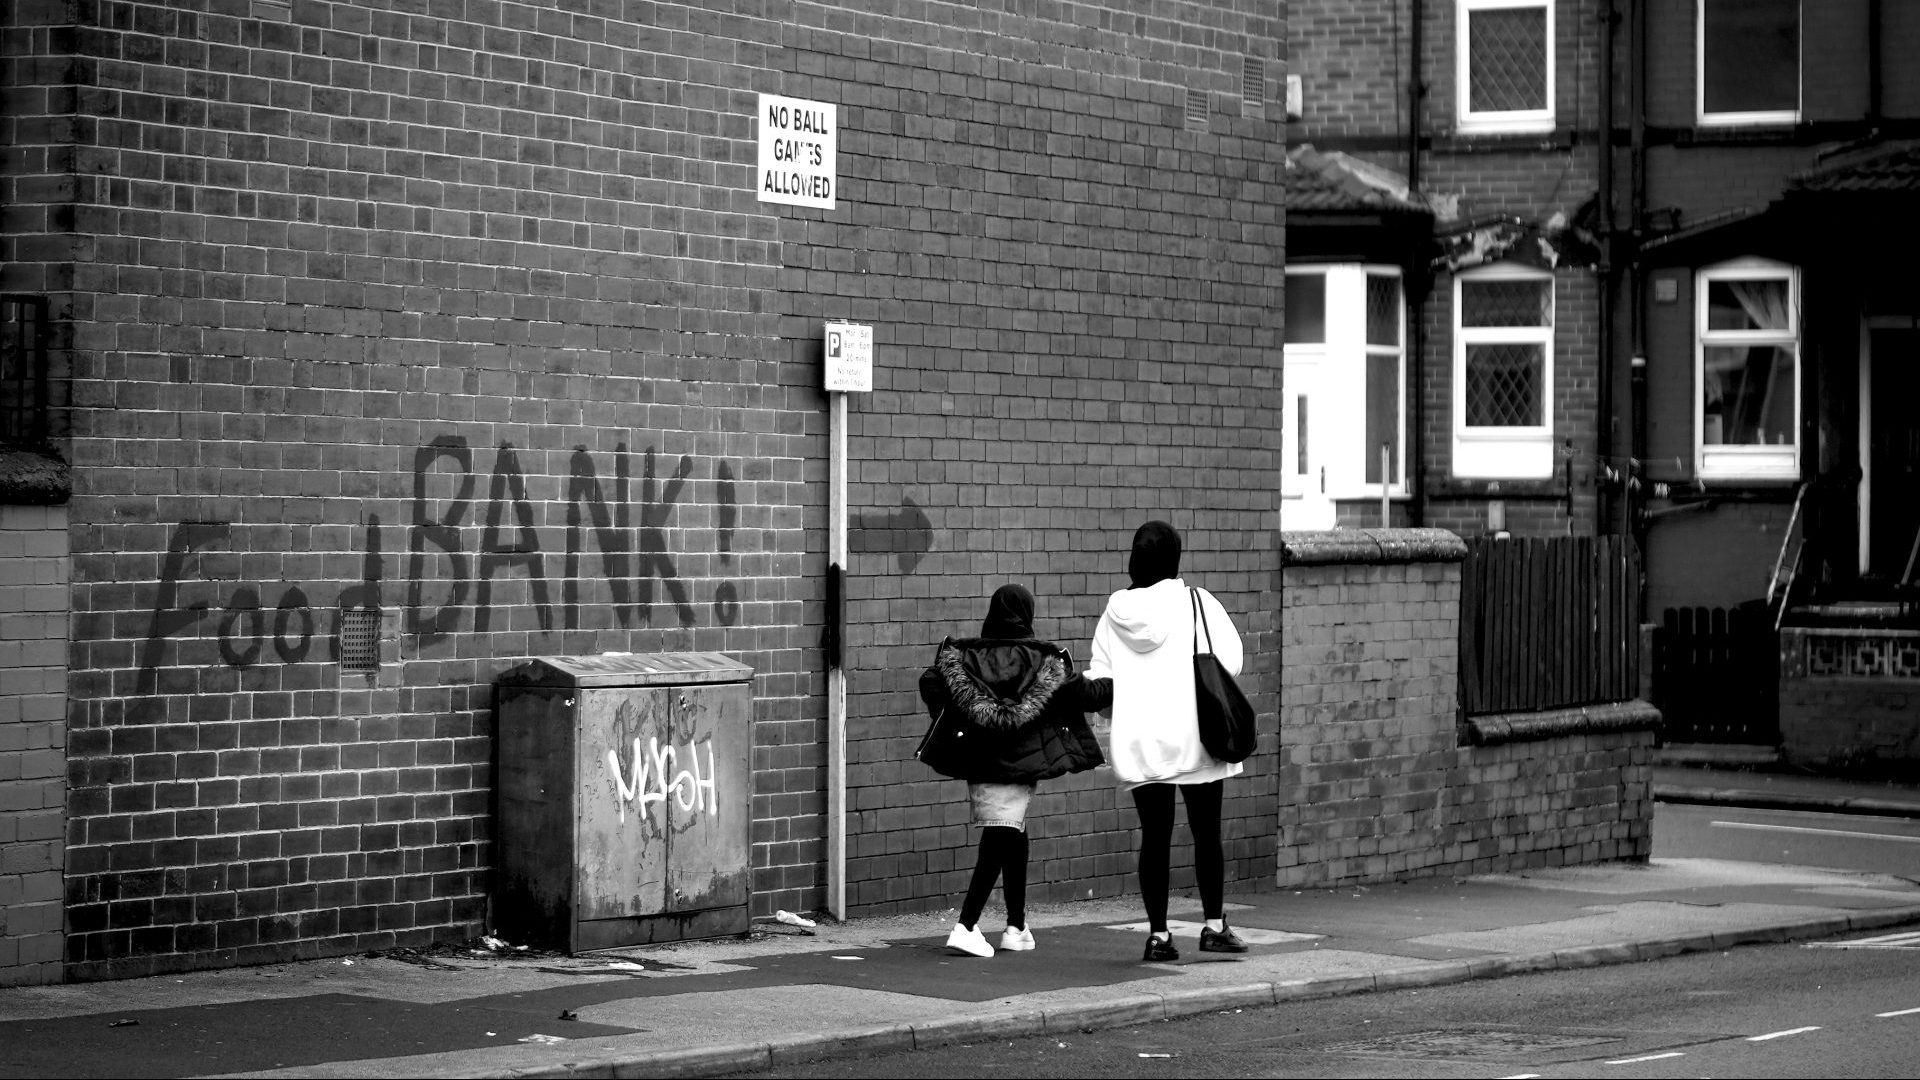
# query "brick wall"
(473, 318)
(1847, 702)
(1351, 56)
(1707, 180)
(1078, 299)
(1384, 790)
(33, 692)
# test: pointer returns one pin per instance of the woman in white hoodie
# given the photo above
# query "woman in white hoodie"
(1144, 643)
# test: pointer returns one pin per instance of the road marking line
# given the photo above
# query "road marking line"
(1908, 940)
(1902, 1012)
(1522, 1076)
(1820, 832)
(1649, 1057)
(1780, 1034)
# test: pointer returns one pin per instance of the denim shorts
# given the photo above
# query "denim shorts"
(1000, 804)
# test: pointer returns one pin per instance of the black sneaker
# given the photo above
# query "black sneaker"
(1160, 949)
(1224, 940)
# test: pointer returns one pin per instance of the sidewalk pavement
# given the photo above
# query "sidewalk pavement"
(786, 993)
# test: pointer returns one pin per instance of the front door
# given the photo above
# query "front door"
(1893, 451)
(1304, 503)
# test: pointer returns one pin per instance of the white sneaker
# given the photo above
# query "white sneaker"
(1020, 940)
(968, 942)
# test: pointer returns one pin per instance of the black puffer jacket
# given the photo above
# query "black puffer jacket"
(1009, 711)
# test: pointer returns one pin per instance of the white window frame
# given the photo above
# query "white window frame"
(1509, 121)
(1506, 452)
(1742, 119)
(1736, 462)
(1340, 400)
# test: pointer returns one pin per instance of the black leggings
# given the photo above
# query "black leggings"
(1003, 855)
(1155, 804)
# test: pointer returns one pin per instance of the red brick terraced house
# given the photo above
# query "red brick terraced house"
(1770, 197)
(1453, 368)
(1665, 296)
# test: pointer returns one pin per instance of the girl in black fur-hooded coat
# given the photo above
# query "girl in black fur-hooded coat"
(1008, 712)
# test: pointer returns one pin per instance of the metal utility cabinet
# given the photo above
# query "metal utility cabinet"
(624, 799)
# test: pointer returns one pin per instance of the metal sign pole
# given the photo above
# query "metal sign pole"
(836, 669)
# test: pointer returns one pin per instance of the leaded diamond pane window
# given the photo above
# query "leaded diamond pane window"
(1383, 309)
(1507, 58)
(1503, 381)
(1506, 303)
(1503, 385)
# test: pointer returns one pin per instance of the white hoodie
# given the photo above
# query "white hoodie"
(1144, 643)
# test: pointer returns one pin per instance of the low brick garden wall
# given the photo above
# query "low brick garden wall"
(1848, 698)
(1382, 779)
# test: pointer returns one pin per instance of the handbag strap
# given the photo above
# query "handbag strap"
(1199, 621)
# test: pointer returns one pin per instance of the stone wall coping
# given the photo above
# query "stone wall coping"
(1553, 723)
(1849, 631)
(33, 478)
(1326, 546)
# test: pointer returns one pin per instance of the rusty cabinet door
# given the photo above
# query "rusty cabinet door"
(664, 801)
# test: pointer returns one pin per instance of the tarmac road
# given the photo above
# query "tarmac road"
(1887, 845)
(1762, 1011)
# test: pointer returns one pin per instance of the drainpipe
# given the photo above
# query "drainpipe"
(1875, 102)
(1609, 511)
(1416, 93)
(1417, 335)
(1634, 284)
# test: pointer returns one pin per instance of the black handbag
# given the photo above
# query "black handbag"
(1226, 717)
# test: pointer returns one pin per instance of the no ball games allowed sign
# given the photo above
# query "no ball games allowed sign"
(797, 163)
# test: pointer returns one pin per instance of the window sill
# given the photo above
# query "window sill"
(1519, 456)
(1456, 487)
(1467, 140)
(1720, 485)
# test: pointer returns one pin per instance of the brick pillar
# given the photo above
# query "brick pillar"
(33, 736)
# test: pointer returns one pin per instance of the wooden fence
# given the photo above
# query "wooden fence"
(1549, 623)
(1716, 675)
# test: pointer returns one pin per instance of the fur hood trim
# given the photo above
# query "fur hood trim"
(983, 707)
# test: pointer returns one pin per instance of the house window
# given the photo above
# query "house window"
(23, 370)
(1747, 361)
(1749, 61)
(1386, 377)
(1503, 373)
(1346, 369)
(1503, 61)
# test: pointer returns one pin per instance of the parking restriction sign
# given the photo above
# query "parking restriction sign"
(849, 355)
